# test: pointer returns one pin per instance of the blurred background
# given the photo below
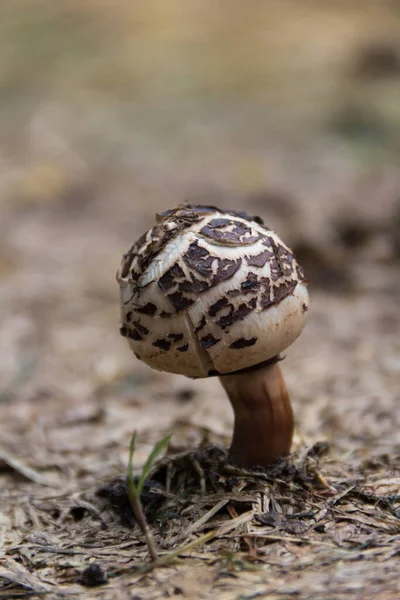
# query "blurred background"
(112, 111)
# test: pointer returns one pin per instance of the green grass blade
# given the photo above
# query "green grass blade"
(158, 448)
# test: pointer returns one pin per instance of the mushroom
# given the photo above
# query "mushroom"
(213, 292)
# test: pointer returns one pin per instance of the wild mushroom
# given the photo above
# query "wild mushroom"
(214, 292)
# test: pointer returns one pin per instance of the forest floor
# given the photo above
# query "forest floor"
(323, 524)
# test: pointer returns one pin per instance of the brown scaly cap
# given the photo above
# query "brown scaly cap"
(210, 291)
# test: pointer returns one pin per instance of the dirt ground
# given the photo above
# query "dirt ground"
(307, 138)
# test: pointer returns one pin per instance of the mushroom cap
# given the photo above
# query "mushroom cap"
(208, 291)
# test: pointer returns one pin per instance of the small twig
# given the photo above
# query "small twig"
(250, 544)
(284, 538)
(223, 530)
(197, 467)
(204, 518)
(324, 482)
(24, 470)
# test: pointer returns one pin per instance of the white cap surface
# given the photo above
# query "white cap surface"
(209, 291)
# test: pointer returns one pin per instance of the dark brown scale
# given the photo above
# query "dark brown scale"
(279, 293)
(163, 344)
(217, 229)
(199, 259)
(253, 303)
(246, 217)
(126, 262)
(168, 280)
(220, 236)
(217, 306)
(251, 239)
(265, 300)
(202, 324)
(183, 348)
(179, 301)
(286, 261)
(283, 290)
(276, 271)
(141, 328)
(267, 241)
(196, 286)
(216, 223)
(250, 285)
(241, 312)
(176, 336)
(266, 284)
(134, 335)
(226, 320)
(243, 343)
(134, 275)
(240, 228)
(148, 309)
(259, 260)
(278, 267)
(237, 315)
(225, 270)
(208, 341)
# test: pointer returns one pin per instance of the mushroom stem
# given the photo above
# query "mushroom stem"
(264, 425)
